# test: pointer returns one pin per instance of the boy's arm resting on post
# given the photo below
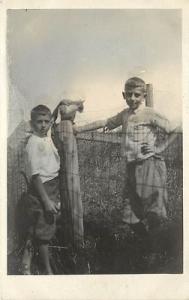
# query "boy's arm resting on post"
(47, 203)
(115, 121)
(91, 126)
(108, 124)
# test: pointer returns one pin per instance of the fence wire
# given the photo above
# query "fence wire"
(103, 171)
(102, 176)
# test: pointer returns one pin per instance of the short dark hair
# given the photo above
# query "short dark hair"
(135, 82)
(39, 110)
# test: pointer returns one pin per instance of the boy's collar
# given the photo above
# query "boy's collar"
(36, 134)
(138, 109)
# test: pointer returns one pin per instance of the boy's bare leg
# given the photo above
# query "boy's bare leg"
(44, 254)
(27, 258)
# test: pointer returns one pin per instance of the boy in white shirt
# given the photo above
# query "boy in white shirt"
(43, 195)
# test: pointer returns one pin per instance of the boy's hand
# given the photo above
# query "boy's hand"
(146, 148)
(51, 207)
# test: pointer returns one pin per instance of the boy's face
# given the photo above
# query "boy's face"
(41, 124)
(134, 97)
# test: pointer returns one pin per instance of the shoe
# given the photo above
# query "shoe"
(139, 229)
(153, 220)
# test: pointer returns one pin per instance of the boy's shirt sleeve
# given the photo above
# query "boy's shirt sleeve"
(162, 122)
(115, 121)
(34, 156)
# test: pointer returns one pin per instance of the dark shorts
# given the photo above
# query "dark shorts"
(146, 186)
(42, 225)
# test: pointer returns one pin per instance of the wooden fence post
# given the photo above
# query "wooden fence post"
(72, 207)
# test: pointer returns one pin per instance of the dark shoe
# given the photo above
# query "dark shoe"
(153, 220)
(139, 229)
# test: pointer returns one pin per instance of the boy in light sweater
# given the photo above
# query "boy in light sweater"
(146, 200)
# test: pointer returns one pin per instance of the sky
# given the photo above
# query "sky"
(88, 54)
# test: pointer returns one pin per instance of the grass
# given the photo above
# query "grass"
(110, 247)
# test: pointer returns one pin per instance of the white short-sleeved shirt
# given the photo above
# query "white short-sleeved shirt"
(42, 157)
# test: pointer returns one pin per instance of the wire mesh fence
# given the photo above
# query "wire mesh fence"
(102, 172)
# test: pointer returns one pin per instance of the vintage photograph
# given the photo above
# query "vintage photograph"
(94, 145)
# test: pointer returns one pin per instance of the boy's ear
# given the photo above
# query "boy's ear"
(123, 93)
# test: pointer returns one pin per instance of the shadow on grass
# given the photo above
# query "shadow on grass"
(111, 249)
